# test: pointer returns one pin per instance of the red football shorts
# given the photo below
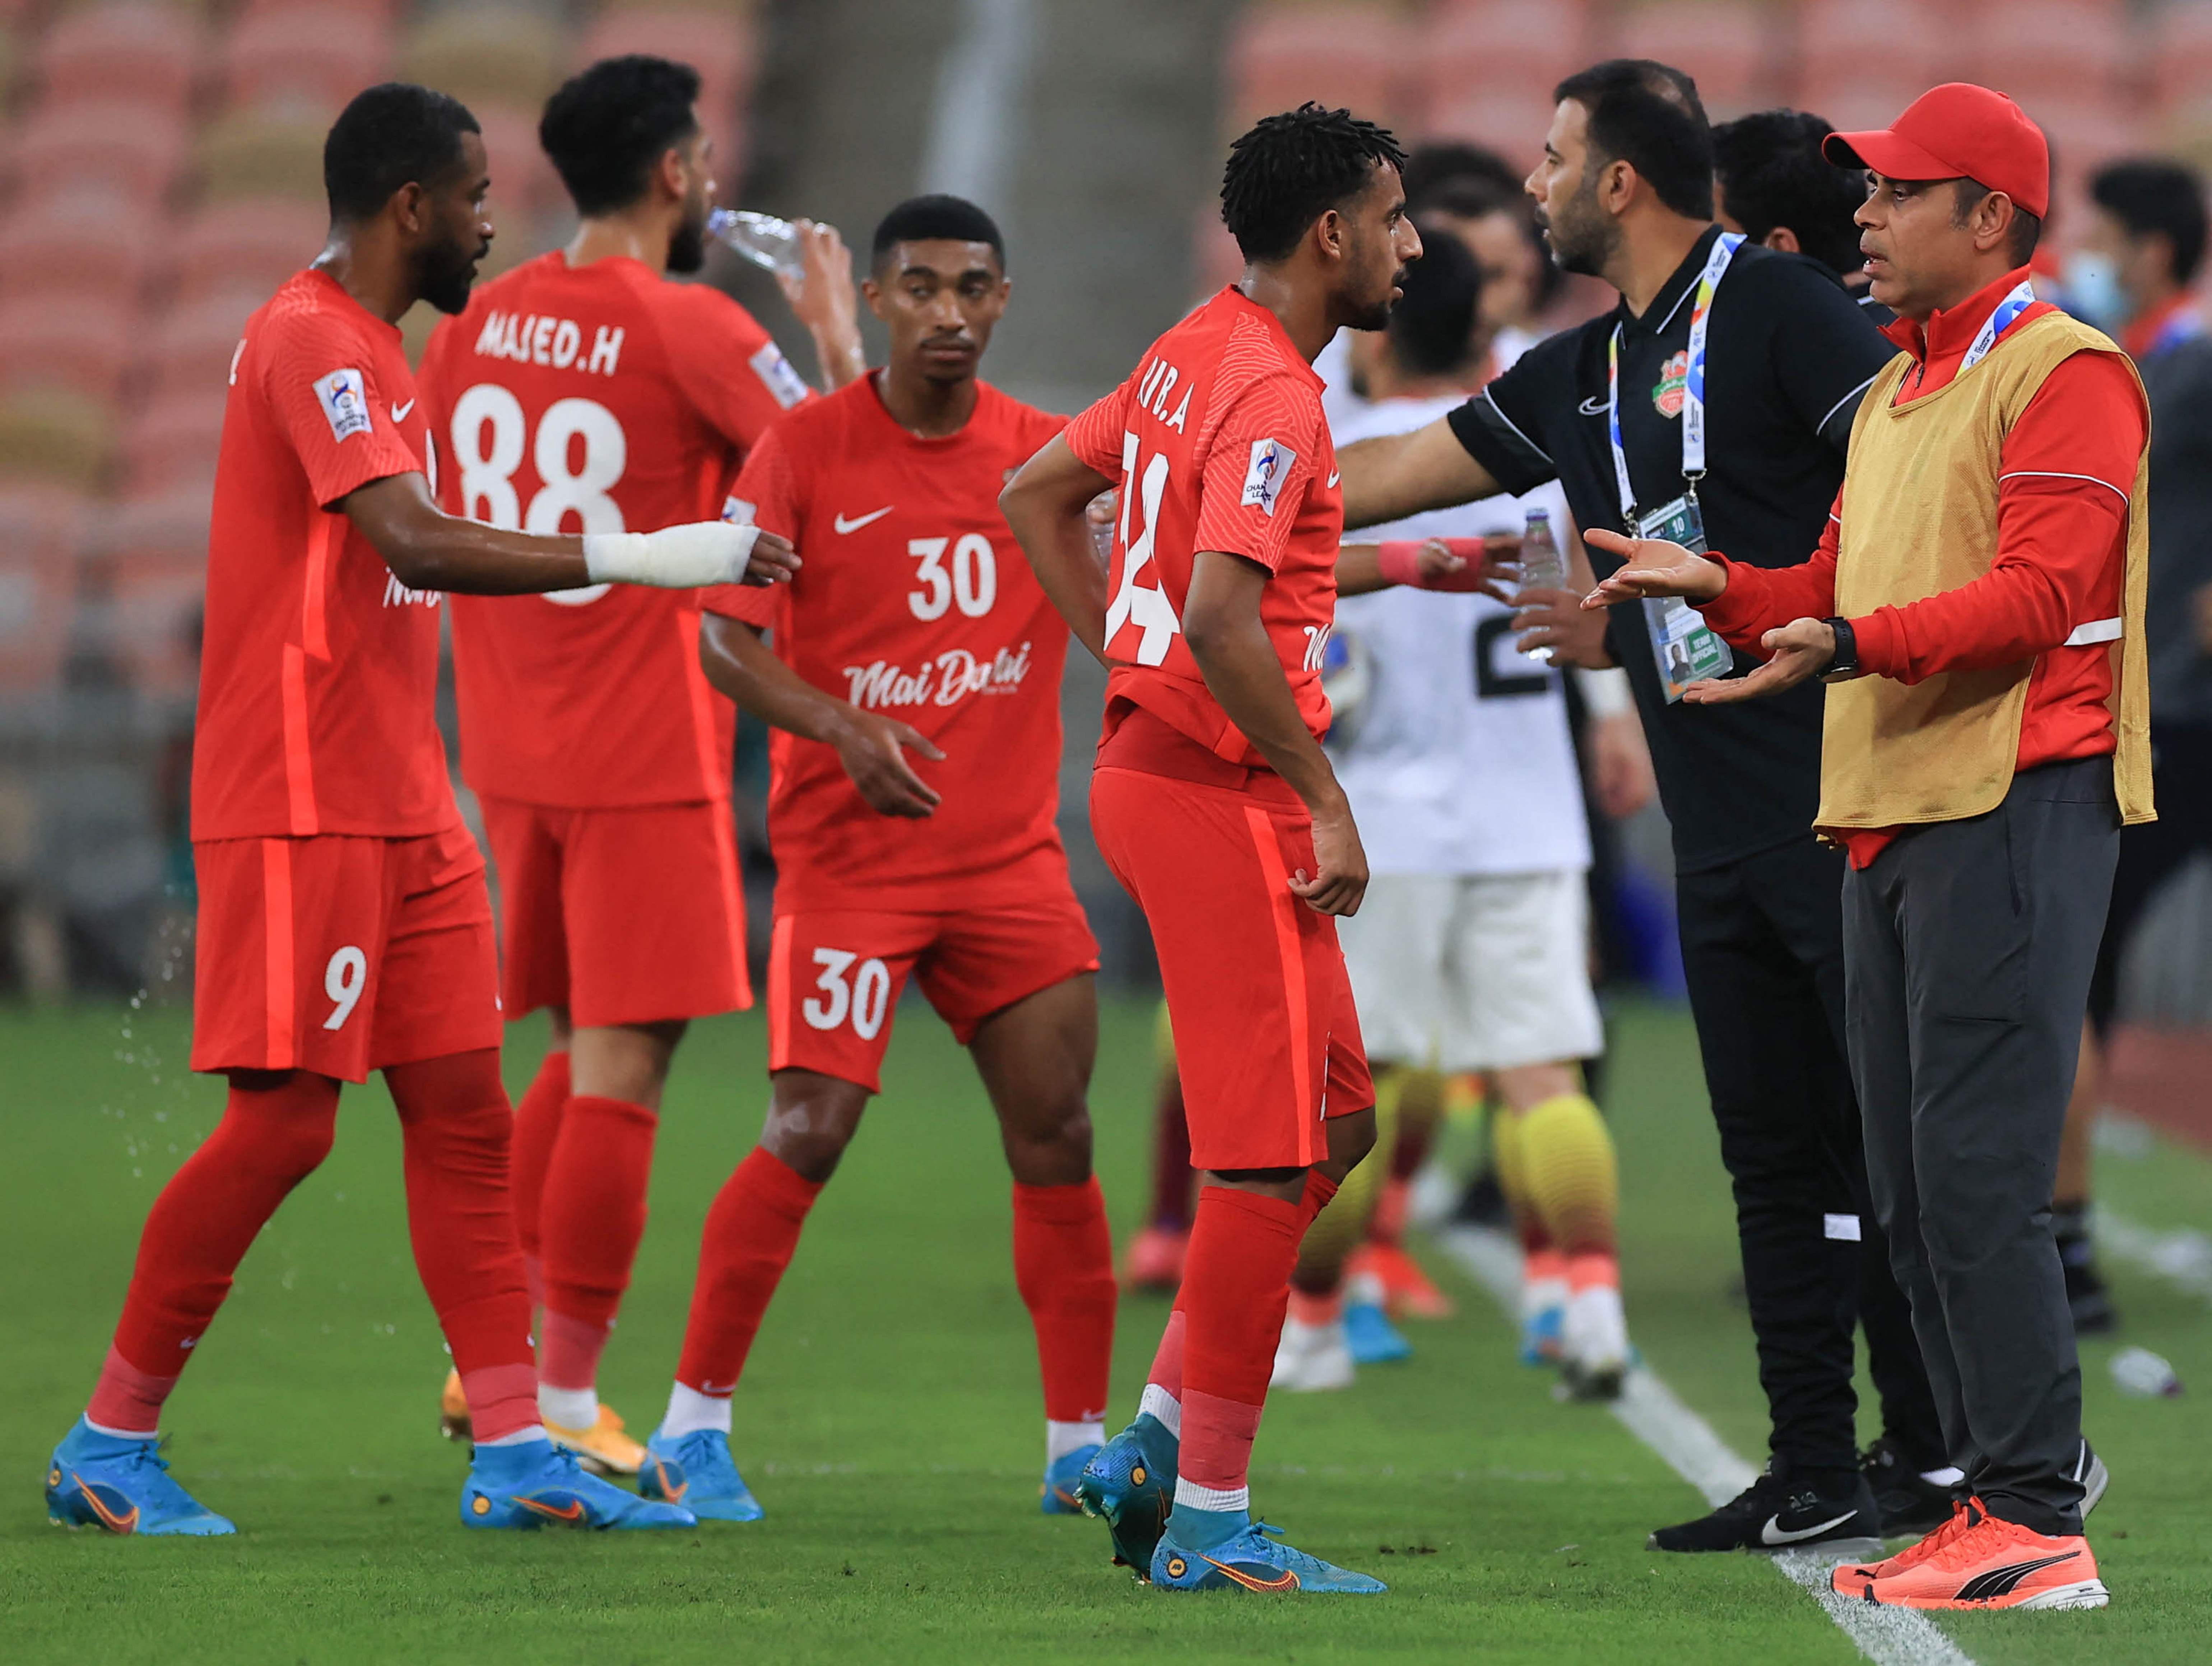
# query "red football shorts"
(621, 917)
(342, 955)
(834, 974)
(1267, 1038)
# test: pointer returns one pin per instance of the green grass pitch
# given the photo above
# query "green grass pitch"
(890, 1421)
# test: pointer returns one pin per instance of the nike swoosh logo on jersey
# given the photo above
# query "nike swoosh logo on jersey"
(400, 412)
(1592, 407)
(1774, 1534)
(859, 522)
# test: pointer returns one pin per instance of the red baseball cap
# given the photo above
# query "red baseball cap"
(1957, 132)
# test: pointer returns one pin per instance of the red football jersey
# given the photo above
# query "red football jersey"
(1218, 442)
(913, 600)
(599, 399)
(319, 669)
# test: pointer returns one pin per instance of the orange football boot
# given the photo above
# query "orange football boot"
(1153, 1259)
(1407, 1291)
(603, 1449)
(1995, 1564)
(453, 1410)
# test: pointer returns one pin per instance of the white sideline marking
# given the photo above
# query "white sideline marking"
(1648, 1409)
(2182, 1257)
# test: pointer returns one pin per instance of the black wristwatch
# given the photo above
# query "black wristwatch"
(1846, 665)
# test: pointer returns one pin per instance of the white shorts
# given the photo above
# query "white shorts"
(1473, 971)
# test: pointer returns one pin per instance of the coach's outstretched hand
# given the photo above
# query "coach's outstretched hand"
(1653, 566)
(1796, 651)
(1340, 877)
(872, 747)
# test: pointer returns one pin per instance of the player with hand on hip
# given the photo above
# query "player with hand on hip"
(914, 688)
(1214, 804)
(584, 390)
(344, 925)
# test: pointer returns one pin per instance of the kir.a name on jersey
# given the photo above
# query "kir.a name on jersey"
(947, 680)
(541, 339)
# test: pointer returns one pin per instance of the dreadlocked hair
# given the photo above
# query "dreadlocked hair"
(1291, 169)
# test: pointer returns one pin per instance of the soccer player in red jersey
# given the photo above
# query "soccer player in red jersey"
(914, 689)
(344, 925)
(583, 391)
(1213, 802)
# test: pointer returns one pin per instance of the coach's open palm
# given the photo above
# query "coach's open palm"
(1653, 566)
(872, 749)
(1339, 877)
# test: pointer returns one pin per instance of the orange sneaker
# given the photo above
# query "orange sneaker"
(453, 1410)
(1153, 1259)
(603, 1449)
(1407, 1290)
(1998, 1564)
(1851, 1579)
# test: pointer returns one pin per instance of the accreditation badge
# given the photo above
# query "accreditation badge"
(1684, 650)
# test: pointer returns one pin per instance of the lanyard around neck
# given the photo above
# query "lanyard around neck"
(1994, 326)
(1693, 384)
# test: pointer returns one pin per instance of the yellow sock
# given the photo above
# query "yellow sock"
(1341, 1227)
(1568, 1170)
(1508, 1150)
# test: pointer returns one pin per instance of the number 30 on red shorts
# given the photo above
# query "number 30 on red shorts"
(834, 975)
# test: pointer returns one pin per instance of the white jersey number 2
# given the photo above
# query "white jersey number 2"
(579, 453)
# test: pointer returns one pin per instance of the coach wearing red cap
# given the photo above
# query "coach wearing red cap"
(1978, 603)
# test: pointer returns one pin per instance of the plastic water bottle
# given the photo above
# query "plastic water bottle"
(761, 237)
(1542, 566)
(2137, 1370)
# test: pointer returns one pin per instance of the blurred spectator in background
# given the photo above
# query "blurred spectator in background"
(2130, 276)
(1771, 183)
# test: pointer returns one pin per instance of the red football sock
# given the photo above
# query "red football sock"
(1171, 1173)
(1166, 1372)
(752, 1231)
(1064, 1267)
(200, 1227)
(537, 1127)
(1243, 1247)
(455, 1124)
(593, 1216)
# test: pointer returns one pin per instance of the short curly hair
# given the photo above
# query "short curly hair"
(1291, 169)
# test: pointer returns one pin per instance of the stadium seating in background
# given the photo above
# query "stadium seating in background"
(1280, 56)
(76, 247)
(1731, 45)
(262, 153)
(52, 438)
(147, 54)
(1486, 69)
(491, 55)
(312, 57)
(171, 441)
(66, 343)
(127, 154)
(248, 247)
(40, 529)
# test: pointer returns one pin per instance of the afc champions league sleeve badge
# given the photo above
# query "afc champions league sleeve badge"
(1264, 476)
(343, 395)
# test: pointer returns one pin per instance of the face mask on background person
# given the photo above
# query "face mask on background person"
(2093, 293)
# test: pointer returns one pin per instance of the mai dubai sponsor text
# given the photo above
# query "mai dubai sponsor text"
(946, 680)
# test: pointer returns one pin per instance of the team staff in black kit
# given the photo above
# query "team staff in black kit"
(1720, 392)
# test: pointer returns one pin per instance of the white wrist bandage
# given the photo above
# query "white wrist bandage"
(673, 558)
(1605, 692)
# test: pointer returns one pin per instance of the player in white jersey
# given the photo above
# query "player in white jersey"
(1471, 952)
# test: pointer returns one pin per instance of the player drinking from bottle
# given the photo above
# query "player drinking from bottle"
(583, 390)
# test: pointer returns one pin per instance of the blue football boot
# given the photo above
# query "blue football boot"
(1130, 1483)
(528, 1486)
(1058, 1494)
(1247, 1560)
(697, 1471)
(121, 1486)
(1373, 1340)
(1544, 1336)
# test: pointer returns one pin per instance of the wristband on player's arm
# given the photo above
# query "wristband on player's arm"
(674, 558)
(1605, 691)
(1399, 560)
